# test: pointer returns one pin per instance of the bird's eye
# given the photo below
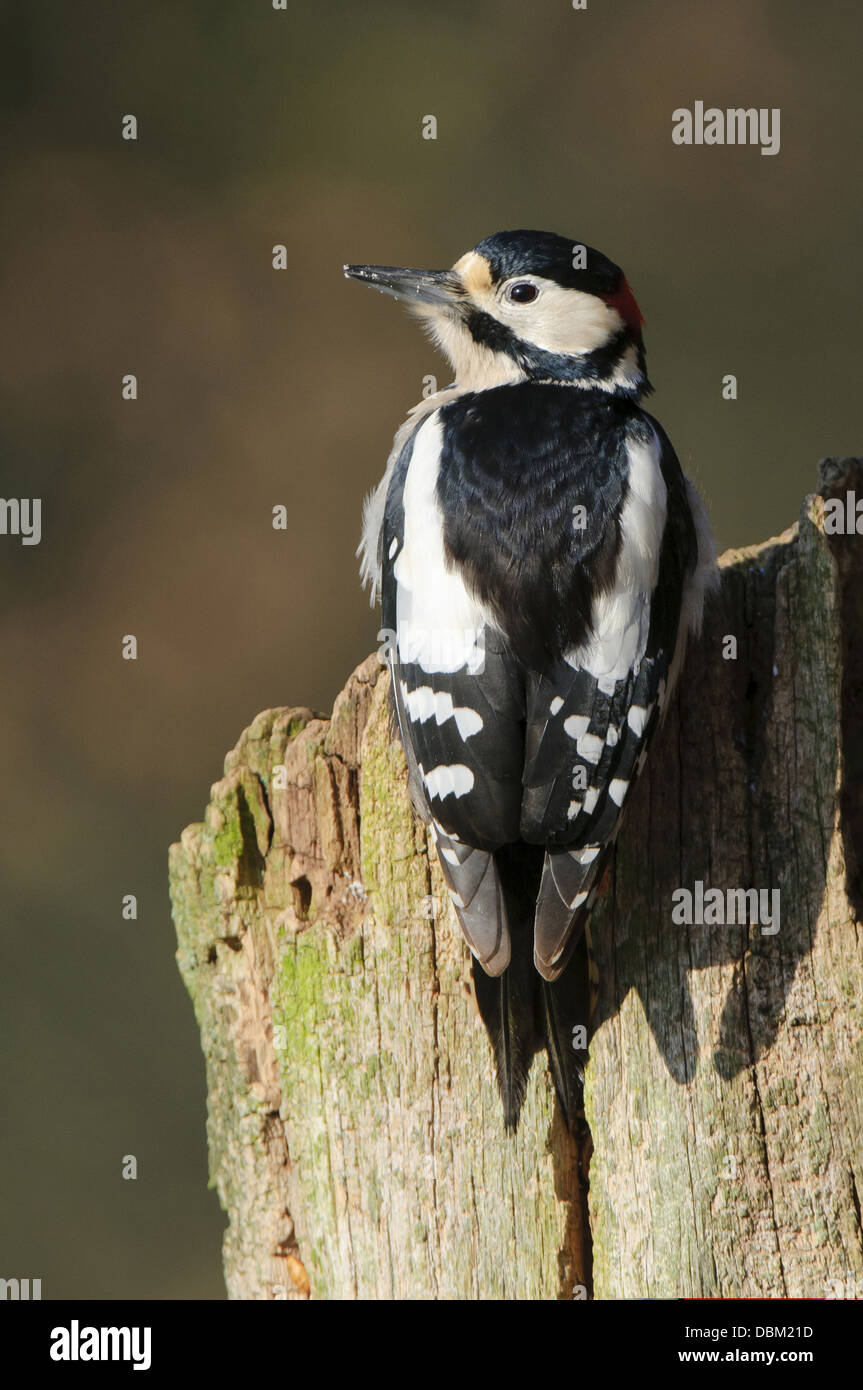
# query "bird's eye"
(522, 292)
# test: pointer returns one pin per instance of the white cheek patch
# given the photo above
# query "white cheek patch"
(559, 320)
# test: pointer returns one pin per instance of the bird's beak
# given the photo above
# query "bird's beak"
(441, 289)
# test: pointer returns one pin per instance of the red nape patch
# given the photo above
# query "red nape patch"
(623, 300)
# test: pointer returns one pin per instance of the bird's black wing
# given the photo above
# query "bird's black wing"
(590, 720)
(459, 696)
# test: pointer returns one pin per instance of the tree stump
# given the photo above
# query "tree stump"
(355, 1132)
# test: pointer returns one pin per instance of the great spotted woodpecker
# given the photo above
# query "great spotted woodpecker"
(541, 559)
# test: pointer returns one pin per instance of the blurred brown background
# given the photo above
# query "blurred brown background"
(258, 388)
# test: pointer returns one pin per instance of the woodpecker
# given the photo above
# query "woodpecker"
(540, 558)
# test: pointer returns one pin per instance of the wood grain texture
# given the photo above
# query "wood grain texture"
(356, 1138)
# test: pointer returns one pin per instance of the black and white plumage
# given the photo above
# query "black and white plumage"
(540, 558)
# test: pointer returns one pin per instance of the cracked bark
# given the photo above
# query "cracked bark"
(354, 1127)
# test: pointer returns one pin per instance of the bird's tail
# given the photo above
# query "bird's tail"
(565, 1007)
(523, 1012)
(507, 1008)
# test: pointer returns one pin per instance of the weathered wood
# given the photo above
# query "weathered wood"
(356, 1137)
(725, 1088)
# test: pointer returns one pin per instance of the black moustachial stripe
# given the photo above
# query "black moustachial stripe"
(540, 365)
(516, 463)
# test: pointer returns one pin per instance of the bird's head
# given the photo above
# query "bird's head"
(527, 306)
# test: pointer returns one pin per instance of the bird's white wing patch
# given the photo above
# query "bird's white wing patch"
(453, 779)
(439, 625)
(621, 618)
(374, 506)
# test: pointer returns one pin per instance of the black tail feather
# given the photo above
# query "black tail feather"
(515, 1044)
(508, 1011)
(565, 1007)
(524, 1013)
(508, 1004)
